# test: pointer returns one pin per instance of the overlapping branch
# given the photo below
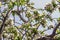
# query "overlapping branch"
(50, 37)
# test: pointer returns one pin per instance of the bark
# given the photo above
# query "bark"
(50, 37)
(3, 23)
(46, 38)
(0, 36)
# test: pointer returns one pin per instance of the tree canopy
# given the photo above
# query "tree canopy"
(30, 20)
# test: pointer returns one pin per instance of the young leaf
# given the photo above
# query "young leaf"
(54, 3)
(49, 8)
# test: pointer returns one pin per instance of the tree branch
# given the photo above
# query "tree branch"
(21, 18)
(50, 37)
(54, 31)
(5, 18)
(18, 13)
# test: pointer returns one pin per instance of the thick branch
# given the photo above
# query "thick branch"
(5, 18)
(20, 16)
(52, 35)
(18, 13)
(54, 31)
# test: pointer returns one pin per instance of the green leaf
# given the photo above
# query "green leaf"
(58, 19)
(28, 14)
(22, 2)
(27, 1)
(26, 25)
(18, 38)
(58, 1)
(34, 30)
(49, 8)
(41, 32)
(59, 9)
(32, 3)
(13, 13)
(10, 5)
(49, 17)
(36, 13)
(58, 31)
(54, 3)
(15, 3)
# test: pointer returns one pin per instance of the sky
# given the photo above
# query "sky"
(40, 3)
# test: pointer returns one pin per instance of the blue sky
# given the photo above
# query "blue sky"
(40, 3)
